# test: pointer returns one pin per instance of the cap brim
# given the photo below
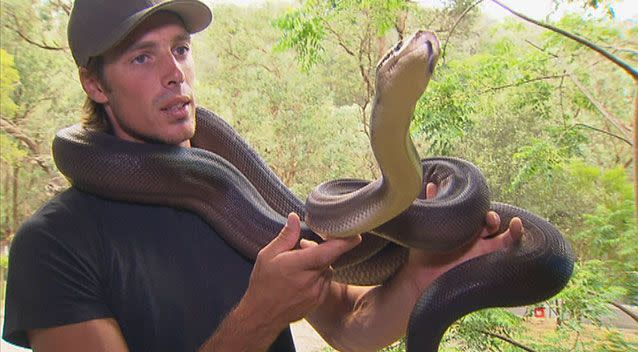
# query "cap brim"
(195, 15)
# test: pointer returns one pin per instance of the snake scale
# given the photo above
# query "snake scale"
(226, 182)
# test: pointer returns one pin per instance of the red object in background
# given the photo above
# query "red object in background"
(539, 312)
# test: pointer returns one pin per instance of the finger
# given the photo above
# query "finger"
(304, 243)
(286, 239)
(510, 236)
(516, 229)
(430, 190)
(492, 224)
(324, 254)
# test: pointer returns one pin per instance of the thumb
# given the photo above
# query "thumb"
(287, 238)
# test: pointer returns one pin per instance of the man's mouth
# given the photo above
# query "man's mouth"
(177, 105)
(175, 108)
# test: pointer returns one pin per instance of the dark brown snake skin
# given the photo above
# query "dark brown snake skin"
(226, 182)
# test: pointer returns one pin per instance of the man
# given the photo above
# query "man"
(90, 274)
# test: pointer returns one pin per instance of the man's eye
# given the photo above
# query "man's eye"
(182, 50)
(140, 59)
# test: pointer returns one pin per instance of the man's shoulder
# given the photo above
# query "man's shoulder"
(69, 204)
(68, 212)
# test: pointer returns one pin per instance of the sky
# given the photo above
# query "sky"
(537, 9)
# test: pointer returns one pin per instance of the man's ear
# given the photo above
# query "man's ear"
(93, 87)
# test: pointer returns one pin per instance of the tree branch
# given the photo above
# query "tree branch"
(63, 6)
(603, 131)
(11, 129)
(399, 24)
(543, 78)
(507, 339)
(340, 41)
(622, 50)
(26, 38)
(626, 131)
(633, 315)
(34, 147)
(468, 9)
(541, 49)
(625, 66)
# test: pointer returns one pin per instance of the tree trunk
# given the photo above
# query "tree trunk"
(6, 189)
(16, 175)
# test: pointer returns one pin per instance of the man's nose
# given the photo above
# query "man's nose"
(173, 72)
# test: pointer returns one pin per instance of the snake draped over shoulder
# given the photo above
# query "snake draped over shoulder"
(226, 182)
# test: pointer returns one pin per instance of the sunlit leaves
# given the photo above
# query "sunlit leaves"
(12, 153)
(589, 292)
(304, 29)
(471, 329)
(303, 33)
(443, 114)
(539, 158)
(9, 78)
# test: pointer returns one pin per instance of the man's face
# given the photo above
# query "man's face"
(148, 83)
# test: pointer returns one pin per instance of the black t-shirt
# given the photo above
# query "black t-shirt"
(162, 273)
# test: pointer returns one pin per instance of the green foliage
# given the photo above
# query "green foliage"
(588, 293)
(610, 229)
(305, 29)
(469, 333)
(399, 346)
(12, 152)
(9, 78)
(541, 158)
(304, 34)
(290, 117)
(595, 30)
(47, 96)
(4, 262)
(442, 114)
(615, 342)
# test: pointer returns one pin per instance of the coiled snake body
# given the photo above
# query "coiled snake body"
(226, 182)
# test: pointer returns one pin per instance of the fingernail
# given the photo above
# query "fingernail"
(288, 220)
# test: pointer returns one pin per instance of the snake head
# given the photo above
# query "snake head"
(407, 67)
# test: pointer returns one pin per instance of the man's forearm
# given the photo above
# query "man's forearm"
(244, 329)
(368, 319)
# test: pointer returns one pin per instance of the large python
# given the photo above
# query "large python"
(226, 182)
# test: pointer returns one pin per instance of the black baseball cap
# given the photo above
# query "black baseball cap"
(95, 26)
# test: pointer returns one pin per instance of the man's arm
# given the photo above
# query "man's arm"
(366, 319)
(285, 284)
(99, 335)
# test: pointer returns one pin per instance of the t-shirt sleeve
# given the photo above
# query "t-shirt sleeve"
(53, 278)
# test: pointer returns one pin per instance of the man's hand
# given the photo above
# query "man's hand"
(286, 284)
(488, 240)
